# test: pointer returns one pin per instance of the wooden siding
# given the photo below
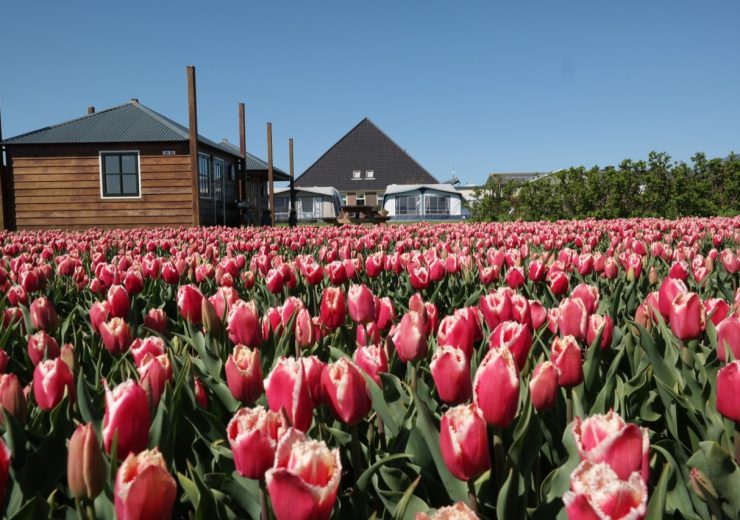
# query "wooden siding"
(57, 190)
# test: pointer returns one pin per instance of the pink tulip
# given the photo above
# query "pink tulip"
(116, 335)
(609, 439)
(52, 379)
(333, 308)
(457, 331)
(85, 466)
(144, 488)
(244, 374)
(373, 360)
(566, 356)
(42, 346)
(596, 492)
(141, 347)
(346, 391)
(463, 441)
(286, 387)
(43, 315)
(304, 479)
(450, 369)
(496, 388)
(361, 304)
(728, 388)
(118, 301)
(515, 337)
(728, 337)
(253, 435)
(589, 295)
(668, 291)
(127, 417)
(243, 324)
(154, 373)
(156, 320)
(543, 387)
(189, 303)
(409, 339)
(495, 308)
(596, 324)
(686, 316)
(573, 319)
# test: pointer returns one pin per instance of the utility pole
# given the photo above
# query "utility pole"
(270, 175)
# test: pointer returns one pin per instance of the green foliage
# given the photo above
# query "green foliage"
(657, 187)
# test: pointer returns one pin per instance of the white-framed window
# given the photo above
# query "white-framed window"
(436, 205)
(204, 176)
(369, 174)
(407, 205)
(120, 174)
(356, 174)
(360, 199)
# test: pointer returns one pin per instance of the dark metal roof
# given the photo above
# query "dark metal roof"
(364, 148)
(254, 163)
(131, 122)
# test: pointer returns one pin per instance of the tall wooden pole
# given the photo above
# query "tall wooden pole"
(3, 180)
(270, 174)
(292, 215)
(242, 182)
(193, 128)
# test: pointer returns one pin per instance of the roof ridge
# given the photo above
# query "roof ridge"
(399, 147)
(169, 123)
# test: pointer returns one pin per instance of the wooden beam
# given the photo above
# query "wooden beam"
(4, 174)
(270, 174)
(193, 129)
(243, 152)
(292, 211)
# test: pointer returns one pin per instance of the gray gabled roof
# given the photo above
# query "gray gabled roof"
(254, 162)
(365, 147)
(131, 122)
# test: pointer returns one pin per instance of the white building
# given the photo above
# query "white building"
(311, 204)
(422, 202)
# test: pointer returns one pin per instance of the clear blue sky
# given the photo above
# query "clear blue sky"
(488, 86)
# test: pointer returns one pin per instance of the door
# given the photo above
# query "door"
(219, 206)
(318, 207)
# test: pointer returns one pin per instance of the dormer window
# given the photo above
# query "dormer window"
(356, 174)
(370, 174)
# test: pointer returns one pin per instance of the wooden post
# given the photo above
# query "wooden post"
(242, 182)
(270, 175)
(193, 134)
(90, 110)
(3, 178)
(292, 214)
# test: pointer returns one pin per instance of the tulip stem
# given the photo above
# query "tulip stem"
(412, 376)
(263, 502)
(499, 458)
(472, 498)
(90, 510)
(356, 455)
(569, 406)
(737, 443)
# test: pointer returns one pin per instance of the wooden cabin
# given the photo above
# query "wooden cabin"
(126, 166)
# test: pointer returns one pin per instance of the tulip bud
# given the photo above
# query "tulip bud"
(543, 387)
(85, 466)
(463, 441)
(686, 316)
(347, 391)
(566, 356)
(244, 374)
(305, 333)
(408, 338)
(127, 417)
(118, 301)
(573, 319)
(211, 321)
(451, 373)
(253, 436)
(304, 479)
(597, 323)
(361, 304)
(154, 372)
(332, 308)
(12, 398)
(496, 388)
(116, 335)
(653, 276)
(286, 387)
(67, 354)
(156, 320)
(728, 388)
(43, 315)
(243, 324)
(42, 346)
(373, 360)
(702, 486)
(728, 337)
(144, 489)
(51, 380)
(515, 337)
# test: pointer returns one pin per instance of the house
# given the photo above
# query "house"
(311, 204)
(423, 202)
(125, 166)
(362, 164)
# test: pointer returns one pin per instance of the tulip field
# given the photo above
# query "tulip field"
(575, 369)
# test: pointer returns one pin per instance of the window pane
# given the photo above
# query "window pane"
(113, 184)
(111, 163)
(130, 185)
(128, 164)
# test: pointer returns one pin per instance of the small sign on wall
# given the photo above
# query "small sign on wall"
(168, 152)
